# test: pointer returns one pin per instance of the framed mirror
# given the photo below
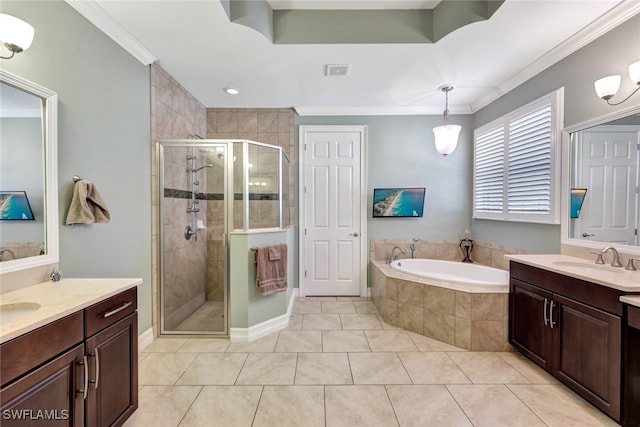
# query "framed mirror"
(28, 174)
(601, 177)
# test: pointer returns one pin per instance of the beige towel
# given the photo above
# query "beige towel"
(271, 275)
(87, 206)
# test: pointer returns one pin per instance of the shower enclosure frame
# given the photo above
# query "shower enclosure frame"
(229, 213)
(228, 171)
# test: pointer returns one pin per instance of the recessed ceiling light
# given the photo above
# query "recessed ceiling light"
(231, 90)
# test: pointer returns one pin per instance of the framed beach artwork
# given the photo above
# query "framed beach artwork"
(15, 206)
(398, 202)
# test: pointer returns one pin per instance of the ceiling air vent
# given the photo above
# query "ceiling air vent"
(334, 70)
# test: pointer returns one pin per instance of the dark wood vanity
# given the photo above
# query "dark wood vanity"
(81, 370)
(582, 334)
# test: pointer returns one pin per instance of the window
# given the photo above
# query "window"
(517, 163)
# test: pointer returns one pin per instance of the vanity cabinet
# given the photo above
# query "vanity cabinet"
(43, 374)
(112, 349)
(571, 328)
(631, 366)
(81, 370)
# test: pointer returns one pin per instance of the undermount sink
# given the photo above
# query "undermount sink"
(12, 311)
(594, 268)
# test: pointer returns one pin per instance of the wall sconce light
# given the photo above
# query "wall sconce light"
(446, 135)
(607, 87)
(15, 34)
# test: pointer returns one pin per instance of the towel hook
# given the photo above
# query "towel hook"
(76, 178)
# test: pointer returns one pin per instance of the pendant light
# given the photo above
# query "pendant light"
(446, 135)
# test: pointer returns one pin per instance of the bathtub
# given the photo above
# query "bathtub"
(462, 304)
(452, 272)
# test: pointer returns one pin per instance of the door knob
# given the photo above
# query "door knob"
(587, 235)
(354, 234)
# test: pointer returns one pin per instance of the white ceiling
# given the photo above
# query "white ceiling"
(195, 42)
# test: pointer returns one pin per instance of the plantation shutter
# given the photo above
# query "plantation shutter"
(489, 179)
(517, 164)
(529, 177)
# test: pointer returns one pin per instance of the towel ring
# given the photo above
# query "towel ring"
(76, 178)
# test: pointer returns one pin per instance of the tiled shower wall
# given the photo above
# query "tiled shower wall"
(270, 126)
(175, 114)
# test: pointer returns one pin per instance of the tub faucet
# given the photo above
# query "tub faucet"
(393, 256)
(615, 262)
(412, 246)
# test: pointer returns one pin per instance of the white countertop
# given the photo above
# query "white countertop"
(57, 300)
(605, 275)
(631, 300)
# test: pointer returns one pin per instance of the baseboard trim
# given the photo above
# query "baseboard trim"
(261, 329)
(145, 338)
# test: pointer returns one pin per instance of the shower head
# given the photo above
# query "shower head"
(208, 165)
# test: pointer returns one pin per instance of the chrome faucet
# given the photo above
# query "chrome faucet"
(413, 247)
(615, 262)
(393, 256)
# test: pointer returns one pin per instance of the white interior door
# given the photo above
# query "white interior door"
(610, 174)
(332, 228)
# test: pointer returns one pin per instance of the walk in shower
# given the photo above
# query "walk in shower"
(208, 189)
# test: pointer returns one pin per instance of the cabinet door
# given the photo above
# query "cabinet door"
(113, 363)
(48, 396)
(587, 353)
(528, 322)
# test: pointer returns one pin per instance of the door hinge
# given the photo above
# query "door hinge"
(635, 233)
(305, 146)
(305, 231)
(305, 273)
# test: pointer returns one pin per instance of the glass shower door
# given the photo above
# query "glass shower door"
(193, 205)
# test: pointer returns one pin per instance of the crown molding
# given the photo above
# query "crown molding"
(379, 110)
(105, 23)
(616, 16)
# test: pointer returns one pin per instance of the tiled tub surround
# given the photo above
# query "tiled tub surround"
(473, 319)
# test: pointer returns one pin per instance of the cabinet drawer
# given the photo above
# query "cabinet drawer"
(22, 354)
(109, 311)
(633, 316)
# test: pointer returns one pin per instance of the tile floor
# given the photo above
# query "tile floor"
(339, 364)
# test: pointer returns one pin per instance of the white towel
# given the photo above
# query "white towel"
(87, 205)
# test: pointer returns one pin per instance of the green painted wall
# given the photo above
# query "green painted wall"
(247, 307)
(103, 136)
(401, 153)
(610, 54)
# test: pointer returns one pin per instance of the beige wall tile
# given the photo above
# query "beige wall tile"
(267, 120)
(462, 333)
(410, 293)
(439, 326)
(488, 306)
(248, 122)
(463, 305)
(411, 318)
(227, 122)
(488, 335)
(440, 300)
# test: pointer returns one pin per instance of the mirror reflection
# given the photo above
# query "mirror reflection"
(22, 174)
(605, 177)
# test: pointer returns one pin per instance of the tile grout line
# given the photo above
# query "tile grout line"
(446, 387)
(525, 404)
(190, 405)
(255, 413)
(393, 408)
